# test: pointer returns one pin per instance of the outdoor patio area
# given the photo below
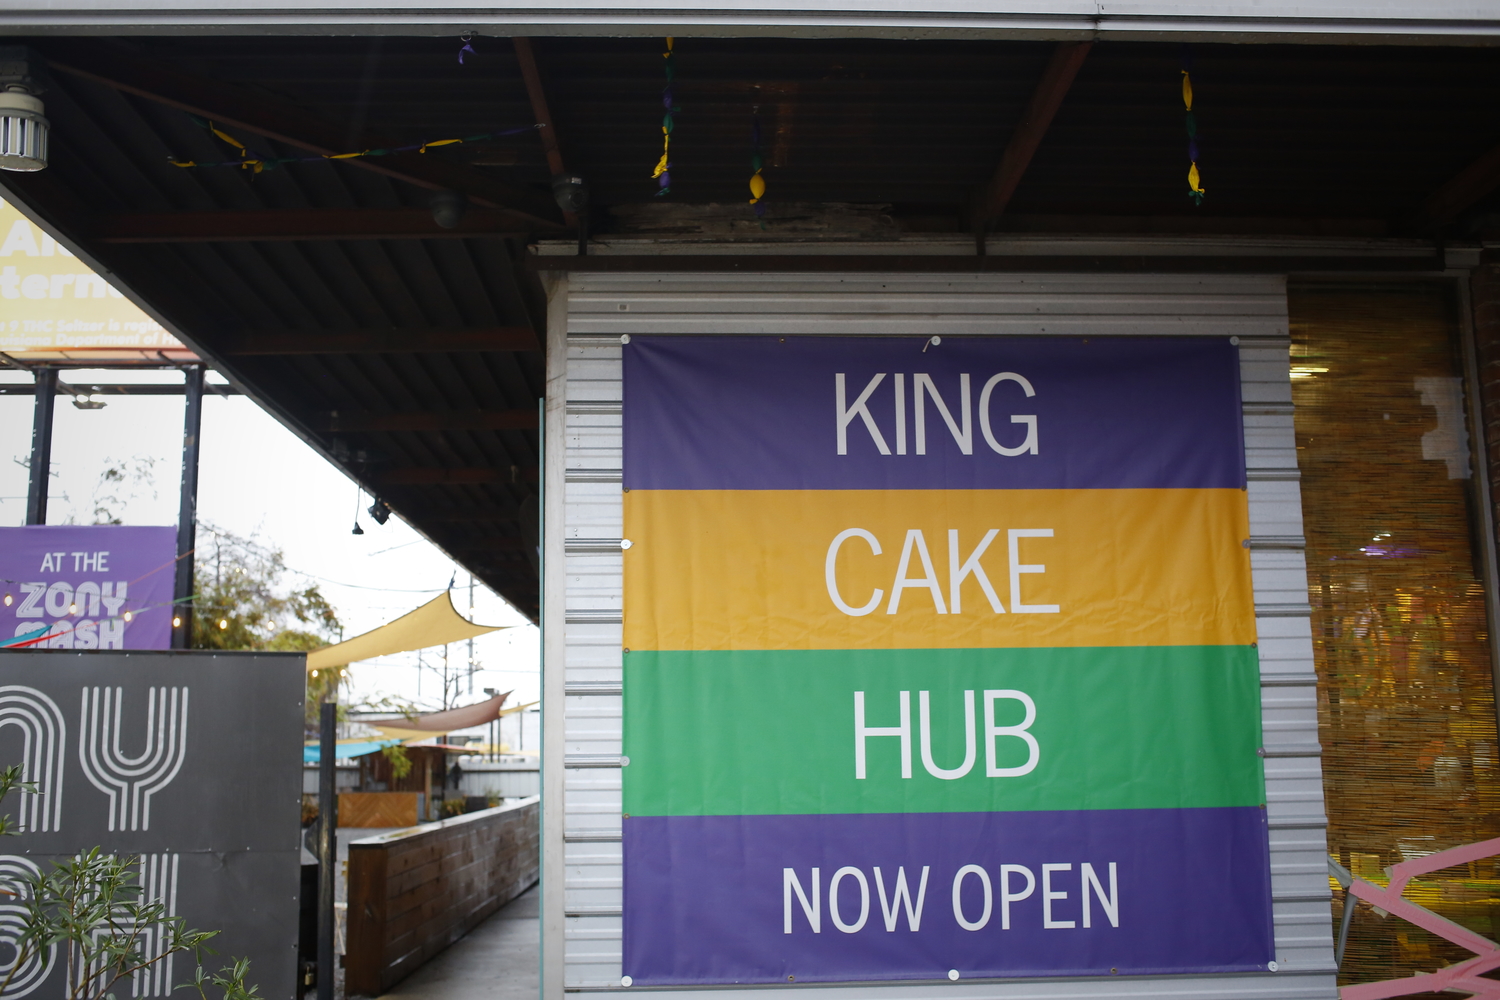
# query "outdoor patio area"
(496, 961)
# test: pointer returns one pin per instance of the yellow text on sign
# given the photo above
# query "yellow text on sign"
(909, 569)
(51, 301)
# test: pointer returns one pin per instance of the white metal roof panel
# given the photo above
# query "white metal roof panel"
(1406, 21)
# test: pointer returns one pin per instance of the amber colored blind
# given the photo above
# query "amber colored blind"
(1406, 703)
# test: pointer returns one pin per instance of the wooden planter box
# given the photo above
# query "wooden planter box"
(414, 892)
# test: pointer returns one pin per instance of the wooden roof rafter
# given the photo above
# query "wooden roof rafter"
(1057, 78)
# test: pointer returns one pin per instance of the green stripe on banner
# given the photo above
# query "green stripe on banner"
(760, 733)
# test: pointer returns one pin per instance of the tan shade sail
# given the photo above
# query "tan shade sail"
(433, 624)
(421, 727)
(406, 731)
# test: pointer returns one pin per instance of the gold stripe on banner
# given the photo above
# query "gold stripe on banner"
(936, 569)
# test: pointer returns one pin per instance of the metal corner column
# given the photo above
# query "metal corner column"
(554, 645)
(327, 842)
(1482, 446)
(187, 507)
(41, 446)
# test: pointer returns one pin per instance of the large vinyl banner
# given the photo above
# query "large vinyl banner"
(940, 661)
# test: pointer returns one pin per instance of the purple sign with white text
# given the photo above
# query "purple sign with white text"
(87, 587)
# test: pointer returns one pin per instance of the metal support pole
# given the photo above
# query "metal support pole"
(1343, 945)
(471, 639)
(328, 824)
(1480, 458)
(41, 445)
(187, 509)
(551, 449)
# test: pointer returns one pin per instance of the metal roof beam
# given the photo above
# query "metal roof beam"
(113, 388)
(394, 341)
(236, 107)
(473, 516)
(271, 224)
(427, 475)
(473, 420)
(1048, 96)
(494, 543)
(1419, 259)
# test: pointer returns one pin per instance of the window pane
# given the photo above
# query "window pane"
(1405, 689)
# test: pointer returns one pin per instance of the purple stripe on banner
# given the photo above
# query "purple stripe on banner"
(745, 413)
(773, 899)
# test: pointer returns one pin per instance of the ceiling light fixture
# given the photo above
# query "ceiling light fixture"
(448, 208)
(380, 511)
(571, 192)
(23, 126)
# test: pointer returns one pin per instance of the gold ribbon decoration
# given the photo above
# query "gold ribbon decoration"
(662, 174)
(1195, 180)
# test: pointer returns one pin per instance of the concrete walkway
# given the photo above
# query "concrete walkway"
(498, 960)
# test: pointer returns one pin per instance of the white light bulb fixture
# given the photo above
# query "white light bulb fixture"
(23, 125)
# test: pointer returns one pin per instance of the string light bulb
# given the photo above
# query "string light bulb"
(223, 623)
(73, 609)
(315, 673)
(8, 600)
(128, 616)
(176, 622)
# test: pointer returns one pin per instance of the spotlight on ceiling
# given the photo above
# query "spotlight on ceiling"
(448, 208)
(23, 128)
(380, 511)
(571, 192)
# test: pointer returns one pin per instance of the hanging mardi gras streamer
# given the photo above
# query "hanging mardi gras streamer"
(1195, 187)
(662, 174)
(247, 162)
(757, 163)
(244, 152)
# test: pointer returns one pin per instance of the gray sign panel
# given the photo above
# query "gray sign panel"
(191, 761)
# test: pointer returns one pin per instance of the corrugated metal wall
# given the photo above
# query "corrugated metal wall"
(600, 307)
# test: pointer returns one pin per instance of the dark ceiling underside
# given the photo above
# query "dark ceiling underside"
(409, 354)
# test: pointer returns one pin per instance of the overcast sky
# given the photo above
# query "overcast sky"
(257, 479)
